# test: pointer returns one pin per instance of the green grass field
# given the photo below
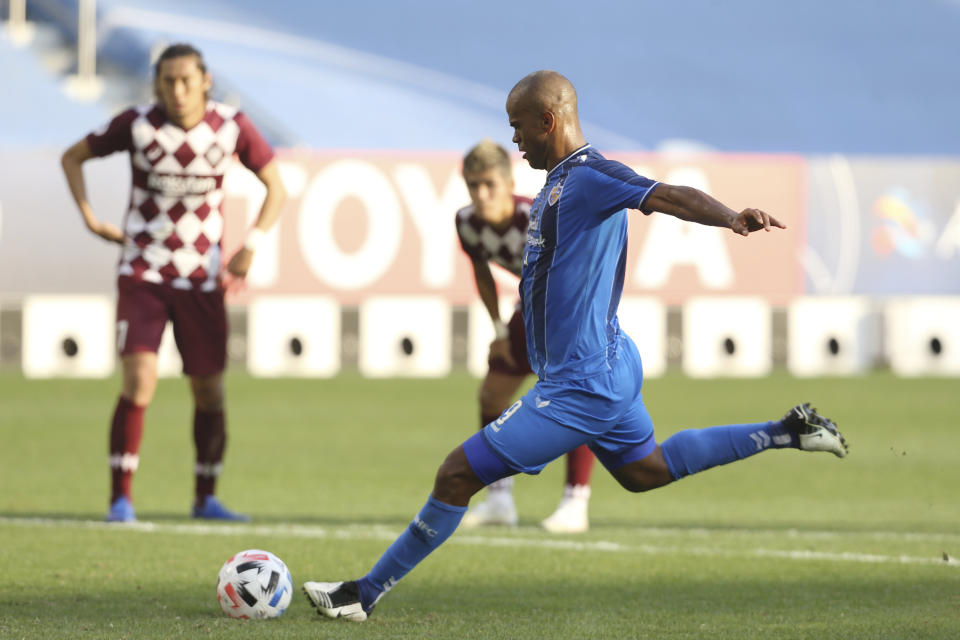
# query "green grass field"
(783, 545)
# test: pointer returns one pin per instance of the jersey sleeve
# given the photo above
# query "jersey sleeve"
(115, 136)
(611, 186)
(252, 149)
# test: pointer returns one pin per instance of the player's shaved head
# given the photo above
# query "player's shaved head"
(542, 109)
(545, 91)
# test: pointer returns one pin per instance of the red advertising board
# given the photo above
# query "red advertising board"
(366, 223)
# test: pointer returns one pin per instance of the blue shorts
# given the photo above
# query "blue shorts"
(605, 412)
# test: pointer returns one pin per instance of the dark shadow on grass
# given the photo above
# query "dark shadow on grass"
(138, 609)
(869, 606)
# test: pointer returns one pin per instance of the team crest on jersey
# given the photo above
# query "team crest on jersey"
(555, 194)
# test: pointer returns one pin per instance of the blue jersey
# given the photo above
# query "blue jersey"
(574, 263)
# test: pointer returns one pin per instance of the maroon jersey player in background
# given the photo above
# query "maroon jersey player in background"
(493, 227)
(170, 262)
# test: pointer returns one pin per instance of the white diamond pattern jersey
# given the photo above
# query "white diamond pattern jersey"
(482, 241)
(174, 224)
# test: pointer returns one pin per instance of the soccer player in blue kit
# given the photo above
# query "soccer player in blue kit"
(590, 373)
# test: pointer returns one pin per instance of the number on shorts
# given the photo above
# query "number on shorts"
(506, 414)
(122, 326)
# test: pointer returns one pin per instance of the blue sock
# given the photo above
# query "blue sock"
(694, 450)
(432, 526)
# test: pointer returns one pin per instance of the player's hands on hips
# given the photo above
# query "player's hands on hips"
(754, 220)
(500, 350)
(108, 232)
(233, 278)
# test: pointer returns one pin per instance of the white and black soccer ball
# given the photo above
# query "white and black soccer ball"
(254, 584)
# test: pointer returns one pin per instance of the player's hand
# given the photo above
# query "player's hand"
(754, 220)
(108, 232)
(233, 278)
(500, 350)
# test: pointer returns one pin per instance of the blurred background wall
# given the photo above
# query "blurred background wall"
(838, 117)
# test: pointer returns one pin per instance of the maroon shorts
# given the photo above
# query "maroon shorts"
(199, 323)
(518, 349)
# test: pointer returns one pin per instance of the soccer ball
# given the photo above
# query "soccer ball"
(254, 584)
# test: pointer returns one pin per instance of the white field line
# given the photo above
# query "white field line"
(802, 534)
(381, 532)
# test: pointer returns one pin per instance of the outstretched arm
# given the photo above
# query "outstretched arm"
(72, 162)
(694, 205)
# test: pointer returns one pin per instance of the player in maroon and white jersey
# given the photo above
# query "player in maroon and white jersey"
(170, 264)
(493, 228)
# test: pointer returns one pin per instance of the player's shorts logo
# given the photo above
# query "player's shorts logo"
(496, 424)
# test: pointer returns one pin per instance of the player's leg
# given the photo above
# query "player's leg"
(200, 329)
(694, 450)
(139, 377)
(496, 394)
(630, 453)
(436, 521)
(210, 443)
(522, 440)
(141, 318)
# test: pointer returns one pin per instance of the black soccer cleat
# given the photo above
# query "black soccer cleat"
(337, 600)
(815, 432)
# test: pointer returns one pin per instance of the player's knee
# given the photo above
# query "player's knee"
(637, 485)
(209, 402)
(139, 382)
(139, 385)
(453, 474)
(208, 392)
(638, 478)
(456, 482)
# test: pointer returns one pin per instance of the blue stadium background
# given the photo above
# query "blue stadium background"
(819, 76)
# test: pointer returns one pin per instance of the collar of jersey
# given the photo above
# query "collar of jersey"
(560, 164)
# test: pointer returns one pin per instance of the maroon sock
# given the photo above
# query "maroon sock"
(210, 439)
(579, 465)
(126, 431)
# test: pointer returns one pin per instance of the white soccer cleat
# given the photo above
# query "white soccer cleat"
(571, 513)
(497, 509)
(815, 432)
(336, 600)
